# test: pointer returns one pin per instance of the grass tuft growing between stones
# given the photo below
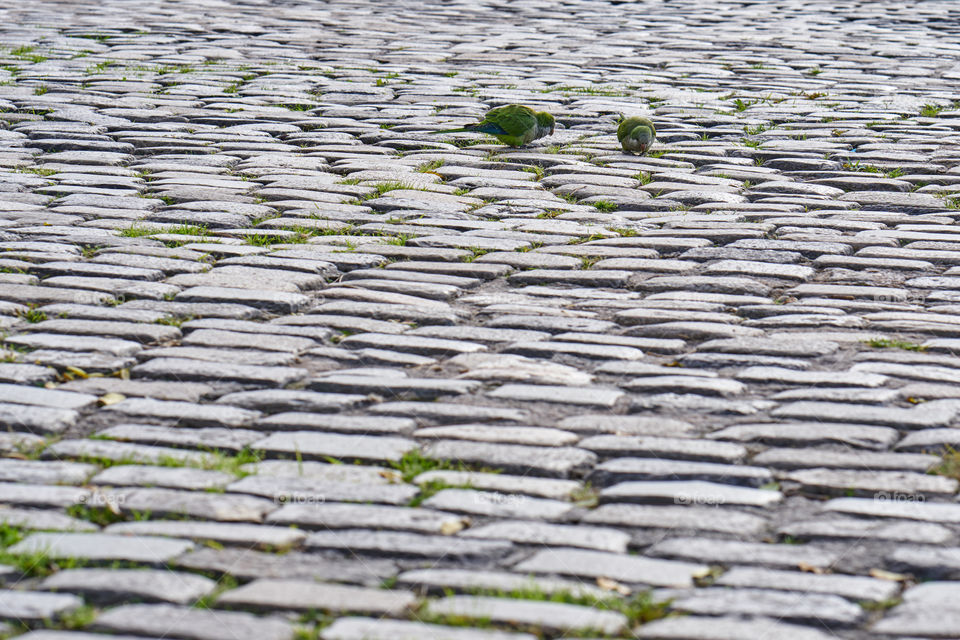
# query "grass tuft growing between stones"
(138, 230)
(413, 463)
(949, 464)
(890, 343)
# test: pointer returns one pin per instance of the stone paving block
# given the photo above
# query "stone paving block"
(348, 628)
(117, 585)
(546, 461)
(677, 518)
(249, 564)
(184, 413)
(398, 544)
(38, 420)
(726, 628)
(825, 609)
(550, 615)
(624, 568)
(346, 516)
(284, 489)
(268, 594)
(323, 445)
(192, 624)
(245, 535)
(922, 612)
(736, 552)
(850, 528)
(103, 547)
(33, 606)
(44, 520)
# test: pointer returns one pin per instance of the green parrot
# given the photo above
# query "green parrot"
(636, 134)
(513, 124)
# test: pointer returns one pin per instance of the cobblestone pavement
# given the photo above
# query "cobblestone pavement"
(280, 363)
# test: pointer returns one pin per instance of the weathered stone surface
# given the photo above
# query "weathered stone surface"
(95, 546)
(310, 596)
(369, 629)
(193, 624)
(631, 569)
(116, 585)
(550, 615)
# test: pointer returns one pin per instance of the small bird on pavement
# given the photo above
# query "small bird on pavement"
(513, 124)
(636, 135)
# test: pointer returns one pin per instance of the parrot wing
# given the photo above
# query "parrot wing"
(513, 119)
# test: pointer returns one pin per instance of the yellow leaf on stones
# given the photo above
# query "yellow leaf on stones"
(881, 574)
(391, 476)
(76, 372)
(108, 399)
(454, 526)
(809, 568)
(613, 585)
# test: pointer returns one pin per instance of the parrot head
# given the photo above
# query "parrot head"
(545, 122)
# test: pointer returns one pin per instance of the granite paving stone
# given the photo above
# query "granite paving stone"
(271, 594)
(33, 606)
(191, 624)
(348, 628)
(117, 585)
(550, 615)
(98, 546)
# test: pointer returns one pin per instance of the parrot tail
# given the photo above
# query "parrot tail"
(460, 130)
